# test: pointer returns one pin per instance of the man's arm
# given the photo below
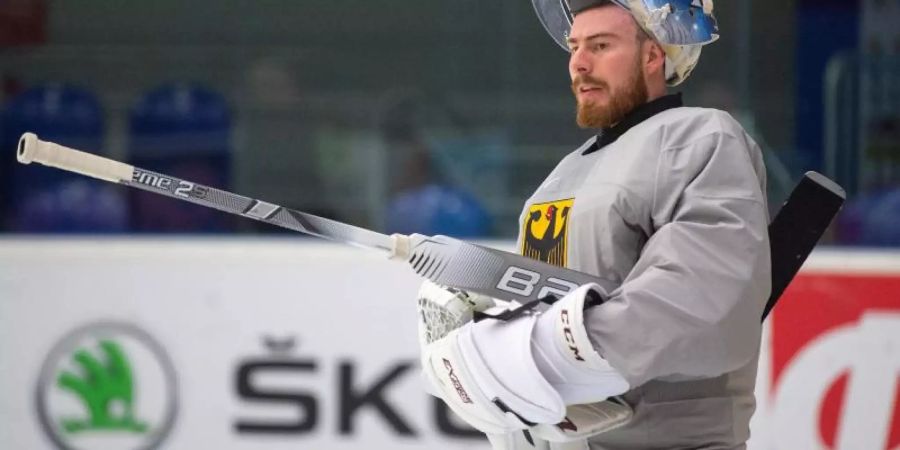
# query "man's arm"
(690, 307)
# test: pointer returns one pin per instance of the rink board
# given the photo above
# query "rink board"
(290, 343)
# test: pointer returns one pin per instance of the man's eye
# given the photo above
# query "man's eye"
(599, 46)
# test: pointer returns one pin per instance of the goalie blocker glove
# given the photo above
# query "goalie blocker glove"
(521, 373)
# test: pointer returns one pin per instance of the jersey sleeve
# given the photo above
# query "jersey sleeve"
(691, 305)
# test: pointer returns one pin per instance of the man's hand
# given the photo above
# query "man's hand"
(485, 373)
(507, 375)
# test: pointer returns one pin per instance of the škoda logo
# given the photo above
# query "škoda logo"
(107, 385)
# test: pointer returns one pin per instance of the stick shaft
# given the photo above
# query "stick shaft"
(444, 260)
(32, 149)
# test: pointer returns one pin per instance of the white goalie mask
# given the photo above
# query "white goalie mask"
(682, 27)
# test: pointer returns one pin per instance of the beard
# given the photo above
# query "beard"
(622, 101)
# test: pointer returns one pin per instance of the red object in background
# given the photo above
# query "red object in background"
(835, 362)
(23, 22)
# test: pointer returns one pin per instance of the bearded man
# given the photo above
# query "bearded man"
(666, 204)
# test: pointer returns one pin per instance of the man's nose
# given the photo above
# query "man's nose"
(579, 63)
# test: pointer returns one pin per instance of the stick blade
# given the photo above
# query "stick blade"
(798, 226)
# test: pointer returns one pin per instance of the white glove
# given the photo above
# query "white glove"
(564, 353)
(503, 376)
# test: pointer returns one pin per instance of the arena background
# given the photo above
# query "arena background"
(400, 116)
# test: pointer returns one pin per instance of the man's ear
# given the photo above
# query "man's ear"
(654, 57)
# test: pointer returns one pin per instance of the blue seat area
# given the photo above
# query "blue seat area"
(870, 219)
(43, 199)
(178, 120)
(183, 130)
(437, 209)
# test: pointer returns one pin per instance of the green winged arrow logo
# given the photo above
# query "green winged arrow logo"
(107, 385)
(105, 388)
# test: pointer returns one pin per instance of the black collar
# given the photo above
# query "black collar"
(607, 136)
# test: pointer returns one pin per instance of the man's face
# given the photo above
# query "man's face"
(606, 66)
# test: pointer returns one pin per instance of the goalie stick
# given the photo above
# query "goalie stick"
(444, 260)
(798, 226)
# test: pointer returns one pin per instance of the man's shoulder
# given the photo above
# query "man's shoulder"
(689, 123)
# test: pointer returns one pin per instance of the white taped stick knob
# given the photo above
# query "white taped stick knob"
(31, 149)
(27, 148)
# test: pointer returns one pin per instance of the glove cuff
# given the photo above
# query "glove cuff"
(564, 353)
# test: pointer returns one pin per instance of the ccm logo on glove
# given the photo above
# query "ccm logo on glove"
(567, 334)
(463, 395)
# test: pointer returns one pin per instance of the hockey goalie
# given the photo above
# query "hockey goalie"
(666, 205)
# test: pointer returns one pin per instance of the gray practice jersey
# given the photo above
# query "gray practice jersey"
(672, 215)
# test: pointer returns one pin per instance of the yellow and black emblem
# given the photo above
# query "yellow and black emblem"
(545, 231)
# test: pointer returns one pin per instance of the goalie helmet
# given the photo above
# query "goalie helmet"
(682, 27)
